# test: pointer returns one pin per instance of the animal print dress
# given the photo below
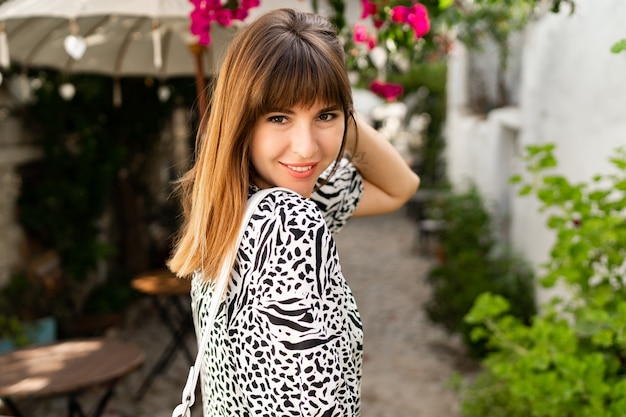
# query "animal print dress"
(287, 340)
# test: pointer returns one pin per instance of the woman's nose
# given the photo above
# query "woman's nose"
(303, 142)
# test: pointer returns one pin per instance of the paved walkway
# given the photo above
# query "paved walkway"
(408, 361)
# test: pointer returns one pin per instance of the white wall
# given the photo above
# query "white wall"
(572, 93)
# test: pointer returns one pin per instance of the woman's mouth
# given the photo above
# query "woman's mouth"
(300, 168)
(300, 171)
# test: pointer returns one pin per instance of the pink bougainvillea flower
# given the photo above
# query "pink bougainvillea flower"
(418, 19)
(415, 16)
(207, 11)
(388, 91)
(248, 4)
(369, 9)
(199, 22)
(204, 38)
(224, 17)
(360, 33)
(371, 42)
(399, 14)
(240, 13)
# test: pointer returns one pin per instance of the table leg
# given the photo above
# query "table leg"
(185, 316)
(12, 407)
(73, 406)
(177, 342)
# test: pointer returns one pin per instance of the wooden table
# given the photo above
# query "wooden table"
(66, 369)
(167, 292)
(161, 282)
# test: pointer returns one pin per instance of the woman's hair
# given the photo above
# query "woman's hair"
(282, 59)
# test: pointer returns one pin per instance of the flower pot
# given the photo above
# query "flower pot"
(36, 332)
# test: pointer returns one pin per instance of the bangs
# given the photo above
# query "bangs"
(303, 75)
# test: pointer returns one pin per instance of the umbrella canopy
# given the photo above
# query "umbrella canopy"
(116, 37)
(112, 37)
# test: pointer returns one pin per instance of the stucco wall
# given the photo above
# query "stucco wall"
(572, 93)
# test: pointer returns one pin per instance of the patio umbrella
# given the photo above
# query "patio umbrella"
(119, 38)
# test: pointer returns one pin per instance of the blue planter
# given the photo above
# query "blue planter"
(37, 332)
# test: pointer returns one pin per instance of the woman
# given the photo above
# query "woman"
(288, 338)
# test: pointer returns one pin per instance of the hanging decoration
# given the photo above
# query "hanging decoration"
(74, 44)
(67, 91)
(156, 45)
(4, 47)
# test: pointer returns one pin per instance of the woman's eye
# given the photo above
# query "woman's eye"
(277, 119)
(326, 117)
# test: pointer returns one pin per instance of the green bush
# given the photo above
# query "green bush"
(570, 360)
(474, 263)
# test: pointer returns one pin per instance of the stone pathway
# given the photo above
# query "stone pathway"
(408, 361)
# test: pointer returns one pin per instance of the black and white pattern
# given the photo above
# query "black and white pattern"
(287, 340)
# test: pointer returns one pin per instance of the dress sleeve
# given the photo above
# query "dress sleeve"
(289, 364)
(338, 198)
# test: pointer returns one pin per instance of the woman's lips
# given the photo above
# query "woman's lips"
(301, 170)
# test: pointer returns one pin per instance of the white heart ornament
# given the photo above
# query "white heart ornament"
(75, 46)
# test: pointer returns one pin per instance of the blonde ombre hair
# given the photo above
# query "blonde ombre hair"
(284, 58)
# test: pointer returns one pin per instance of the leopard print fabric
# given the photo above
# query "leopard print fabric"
(287, 340)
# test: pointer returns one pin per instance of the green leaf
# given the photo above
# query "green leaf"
(487, 306)
(619, 46)
(603, 338)
(621, 185)
(548, 161)
(555, 222)
(444, 4)
(525, 190)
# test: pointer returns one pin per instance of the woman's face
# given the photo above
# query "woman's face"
(291, 147)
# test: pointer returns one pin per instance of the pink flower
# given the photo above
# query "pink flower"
(360, 33)
(416, 16)
(371, 42)
(248, 4)
(399, 14)
(224, 17)
(361, 36)
(240, 13)
(369, 8)
(207, 11)
(388, 91)
(204, 38)
(419, 21)
(200, 22)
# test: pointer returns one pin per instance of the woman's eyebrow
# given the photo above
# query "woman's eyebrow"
(279, 110)
(334, 107)
(329, 108)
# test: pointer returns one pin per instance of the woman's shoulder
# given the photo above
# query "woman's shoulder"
(284, 204)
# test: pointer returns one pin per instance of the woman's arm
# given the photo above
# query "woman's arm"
(388, 181)
(295, 335)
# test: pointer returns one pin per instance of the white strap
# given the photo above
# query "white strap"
(188, 397)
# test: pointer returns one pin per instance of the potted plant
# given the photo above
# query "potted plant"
(27, 316)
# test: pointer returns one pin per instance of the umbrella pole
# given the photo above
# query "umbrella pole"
(197, 51)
